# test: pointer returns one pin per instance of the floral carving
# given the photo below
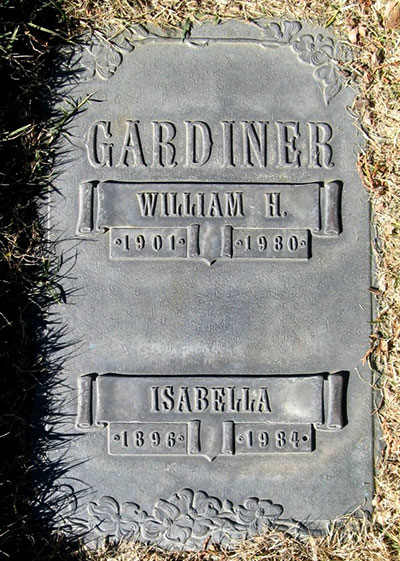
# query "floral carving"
(103, 59)
(258, 513)
(178, 518)
(114, 520)
(183, 521)
(319, 51)
(276, 35)
(103, 56)
(314, 50)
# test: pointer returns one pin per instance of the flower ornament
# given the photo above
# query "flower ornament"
(124, 40)
(168, 522)
(256, 513)
(186, 519)
(114, 520)
(314, 50)
(64, 505)
(199, 508)
(178, 519)
(276, 34)
(102, 58)
(205, 505)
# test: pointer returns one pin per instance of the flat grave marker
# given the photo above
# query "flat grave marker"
(216, 308)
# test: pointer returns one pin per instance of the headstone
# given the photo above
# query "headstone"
(213, 237)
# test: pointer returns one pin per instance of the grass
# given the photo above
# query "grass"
(30, 32)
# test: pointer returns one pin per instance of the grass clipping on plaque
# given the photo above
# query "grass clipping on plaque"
(372, 28)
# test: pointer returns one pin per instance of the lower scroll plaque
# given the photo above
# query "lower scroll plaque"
(212, 238)
(211, 416)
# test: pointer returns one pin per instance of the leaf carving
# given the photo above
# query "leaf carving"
(107, 62)
(276, 34)
(331, 90)
(316, 50)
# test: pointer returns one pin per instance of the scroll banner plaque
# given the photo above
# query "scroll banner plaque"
(211, 416)
(210, 220)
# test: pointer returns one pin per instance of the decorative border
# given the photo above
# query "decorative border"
(103, 56)
(186, 520)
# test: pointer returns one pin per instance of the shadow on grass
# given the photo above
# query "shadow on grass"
(30, 33)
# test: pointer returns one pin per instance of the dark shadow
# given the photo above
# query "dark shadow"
(34, 344)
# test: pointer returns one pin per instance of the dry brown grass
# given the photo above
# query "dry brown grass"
(372, 29)
(357, 541)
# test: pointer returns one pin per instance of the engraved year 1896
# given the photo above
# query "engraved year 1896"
(148, 438)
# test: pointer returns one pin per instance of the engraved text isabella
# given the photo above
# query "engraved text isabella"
(219, 399)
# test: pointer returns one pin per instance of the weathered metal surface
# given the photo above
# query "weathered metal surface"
(215, 241)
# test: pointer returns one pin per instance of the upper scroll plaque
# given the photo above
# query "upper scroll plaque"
(217, 308)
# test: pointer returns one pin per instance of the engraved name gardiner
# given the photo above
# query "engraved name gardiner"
(192, 144)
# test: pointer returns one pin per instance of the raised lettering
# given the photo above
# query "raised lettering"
(287, 154)
(254, 143)
(272, 205)
(147, 203)
(183, 400)
(217, 396)
(227, 144)
(132, 152)
(198, 152)
(154, 399)
(320, 151)
(214, 207)
(167, 400)
(216, 399)
(263, 404)
(100, 152)
(163, 149)
(191, 144)
(234, 204)
(201, 401)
